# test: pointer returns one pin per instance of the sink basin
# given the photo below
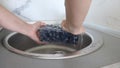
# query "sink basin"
(23, 45)
(1, 28)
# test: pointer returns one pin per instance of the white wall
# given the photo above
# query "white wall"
(36, 9)
(105, 13)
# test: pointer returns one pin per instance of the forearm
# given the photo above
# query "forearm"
(12, 22)
(76, 11)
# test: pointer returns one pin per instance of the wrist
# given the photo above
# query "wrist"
(28, 30)
(72, 29)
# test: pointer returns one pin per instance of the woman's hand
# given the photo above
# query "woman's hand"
(33, 32)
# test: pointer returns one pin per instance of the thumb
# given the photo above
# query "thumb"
(36, 26)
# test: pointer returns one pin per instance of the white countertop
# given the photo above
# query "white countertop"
(115, 65)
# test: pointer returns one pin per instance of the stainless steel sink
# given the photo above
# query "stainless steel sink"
(1, 28)
(20, 44)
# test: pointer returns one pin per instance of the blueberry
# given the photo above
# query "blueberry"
(55, 34)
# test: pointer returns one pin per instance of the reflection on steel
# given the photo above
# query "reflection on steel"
(23, 45)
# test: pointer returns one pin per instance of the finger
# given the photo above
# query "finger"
(36, 39)
(38, 25)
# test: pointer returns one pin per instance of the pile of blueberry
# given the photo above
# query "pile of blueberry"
(55, 34)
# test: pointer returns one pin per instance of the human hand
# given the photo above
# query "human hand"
(73, 30)
(33, 32)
